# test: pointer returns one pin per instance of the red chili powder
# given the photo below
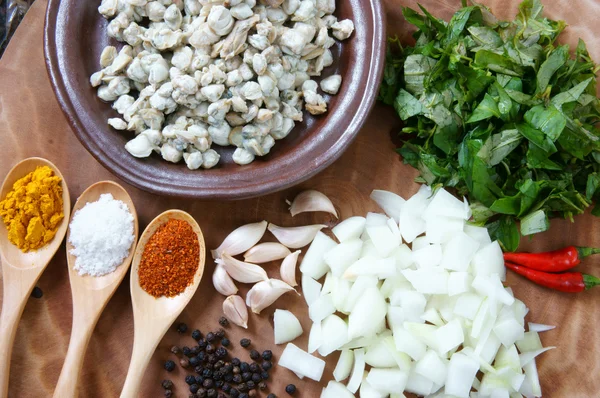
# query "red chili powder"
(170, 259)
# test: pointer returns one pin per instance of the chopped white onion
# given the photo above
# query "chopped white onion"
(299, 361)
(311, 289)
(538, 327)
(389, 202)
(344, 366)
(350, 228)
(313, 263)
(286, 326)
(357, 370)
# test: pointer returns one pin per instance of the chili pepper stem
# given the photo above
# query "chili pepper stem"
(590, 281)
(587, 251)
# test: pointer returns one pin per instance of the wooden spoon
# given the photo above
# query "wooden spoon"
(20, 271)
(152, 316)
(90, 293)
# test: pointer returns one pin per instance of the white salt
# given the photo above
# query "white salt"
(101, 234)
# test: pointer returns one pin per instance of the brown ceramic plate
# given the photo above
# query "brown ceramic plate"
(75, 34)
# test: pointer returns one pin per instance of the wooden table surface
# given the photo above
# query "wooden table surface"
(31, 124)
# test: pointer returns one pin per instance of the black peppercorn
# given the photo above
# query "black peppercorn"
(196, 335)
(254, 355)
(212, 393)
(202, 344)
(201, 356)
(271, 396)
(256, 377)
(246, 376)
(225, 342)
(207, 373)
(227, 368)
(175, 350)
(254, 367)
(219, 383)
(251, 385)
(194, 361)
(237, 379)
(199, 369)
(187, 351)
(223, 321)
(217, 376)
(184, 363)
(181, 327)
(208, 383)
(221, 352)
(264, 375)
(167, 384)
(234, 393)
(169, 366)
(201, 393)
(37, 293)
(266, 365)
(194, 388)
(220, 333)
(290, 389)
(199, 380)
(210, 337)
(245, 343)
(267, 355)
(226, 387)
(236, 362)
(212, 359)
(244, 367)
(219, 364)
(228, 377)
(242, 387)
(210, 348)
(262, 385)
(195, 350)
(168, 393)
(190, 379)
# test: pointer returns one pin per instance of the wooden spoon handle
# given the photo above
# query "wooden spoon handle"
(80, 337)
(17, 286)
(143, 348)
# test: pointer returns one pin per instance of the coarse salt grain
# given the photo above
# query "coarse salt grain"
(101, 234)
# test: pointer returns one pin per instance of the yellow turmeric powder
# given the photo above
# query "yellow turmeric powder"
(33, 209)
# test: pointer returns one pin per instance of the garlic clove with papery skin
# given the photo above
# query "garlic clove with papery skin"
(266, 252)
(312, 200)
(241, 271)
(235, 310)
(265, 293)
(295, 237)
(241, 239)
(288, 268)
(223, 282)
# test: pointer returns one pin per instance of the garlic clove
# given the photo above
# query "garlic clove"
(235, 310)
(312, 200)
(223, 282)
(241, 239)
(288, 268)
(265, 252)
(295, 237)
(241, 271)
(265, 293)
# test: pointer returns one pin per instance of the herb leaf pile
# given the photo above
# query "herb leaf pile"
(500, 112)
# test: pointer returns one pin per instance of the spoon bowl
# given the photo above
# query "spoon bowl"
(90, 294)
(20, 271)
(152, 316)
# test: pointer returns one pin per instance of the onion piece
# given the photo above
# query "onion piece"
(389, 202)
(539, 327)
(241, 239)
(367, 314)
(388, 381)
(315, 338)
(384, 239)
(461, 373)
(321, 308)
(341, 256)
(357, 371)
(378, 355)
(527, 357)
(311, 200)
(286, 326)
(313, 264)
(311, 289)
(266, 252)
(336, 390)
(295, 237)
(432, 367)
(288, 268)
(350, 228)
(344, 365)
(299, 361)
(335, 335)
(368, 266)
(367, 390)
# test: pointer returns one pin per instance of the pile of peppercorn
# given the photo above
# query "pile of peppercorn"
(216, 373)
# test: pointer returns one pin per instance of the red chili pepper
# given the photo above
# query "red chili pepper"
(569, 282)
(554, 261)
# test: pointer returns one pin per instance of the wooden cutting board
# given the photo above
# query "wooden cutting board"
(31, 124)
